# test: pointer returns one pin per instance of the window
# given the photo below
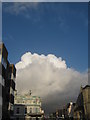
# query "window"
(4, 63)
(25, 110)
(36, 110)
(18, 110)
(30, 110)
(0, 50)
(34, 101)
(17, 101)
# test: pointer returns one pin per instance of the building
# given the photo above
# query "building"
(70, 110)
(66, 112)
(27, 107)
(11, 87)
(82, 108)
(7, 83)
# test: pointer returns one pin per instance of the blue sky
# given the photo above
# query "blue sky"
(57, 28)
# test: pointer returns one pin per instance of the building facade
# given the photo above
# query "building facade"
(11, 79)
(66, 112)
(82, 108)
(7, 83)
(27, 107)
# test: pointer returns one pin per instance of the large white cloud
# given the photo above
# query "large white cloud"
(50, 78)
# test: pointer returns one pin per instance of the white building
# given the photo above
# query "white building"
(27, 107)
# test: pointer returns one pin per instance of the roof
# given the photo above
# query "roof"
(26, 97)
(87, 86)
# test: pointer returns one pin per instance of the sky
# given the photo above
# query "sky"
(48, 43)
(57, 28)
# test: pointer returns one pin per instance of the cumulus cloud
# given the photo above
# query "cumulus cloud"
(50, 78)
